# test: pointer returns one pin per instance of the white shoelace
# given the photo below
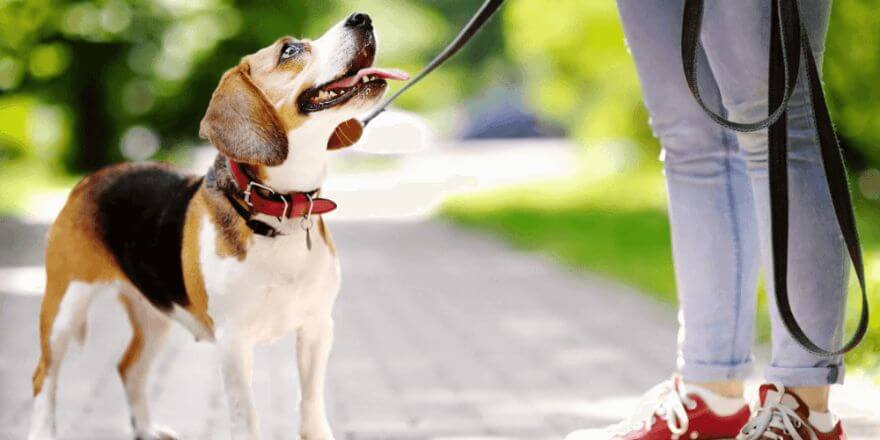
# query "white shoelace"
(662, 401)
(774, 414)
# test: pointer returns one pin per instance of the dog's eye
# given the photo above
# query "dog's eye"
(290, 50)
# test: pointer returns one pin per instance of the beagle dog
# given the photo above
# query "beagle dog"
(239, 256)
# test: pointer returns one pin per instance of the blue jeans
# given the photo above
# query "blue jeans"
(719, 208)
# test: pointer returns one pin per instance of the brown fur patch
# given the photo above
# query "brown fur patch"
(136, 345)
(192, 269)
(291, 116)
(325, 234)
(275, 76)
(233, 233)
(241, 122)
(74, 252)
(256, 172)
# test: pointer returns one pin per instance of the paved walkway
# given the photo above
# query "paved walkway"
(442, 334)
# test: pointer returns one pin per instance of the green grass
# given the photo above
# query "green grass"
(617, 226)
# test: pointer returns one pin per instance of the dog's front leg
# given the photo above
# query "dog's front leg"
(313, 351)
(237, 366)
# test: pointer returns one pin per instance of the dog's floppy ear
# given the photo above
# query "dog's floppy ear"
(345, 135)
(242, 124)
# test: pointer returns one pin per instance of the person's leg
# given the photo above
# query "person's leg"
(714, 238)
(714, 243)
(735, 36)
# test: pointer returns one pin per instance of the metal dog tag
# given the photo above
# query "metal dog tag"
(306, 224)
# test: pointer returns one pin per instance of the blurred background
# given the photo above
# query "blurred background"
(537, 142)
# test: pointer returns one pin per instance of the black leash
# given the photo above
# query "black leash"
(467, 32)
(785, 55)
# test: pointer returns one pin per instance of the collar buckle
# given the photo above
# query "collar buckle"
(250, 188)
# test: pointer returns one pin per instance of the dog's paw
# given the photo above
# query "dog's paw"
(316, 435)
(42, 432)
(41, 436)
(155, 433)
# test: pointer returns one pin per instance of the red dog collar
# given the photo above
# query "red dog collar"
(290, 205)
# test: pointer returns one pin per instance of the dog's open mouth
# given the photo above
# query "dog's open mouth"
(355, 81)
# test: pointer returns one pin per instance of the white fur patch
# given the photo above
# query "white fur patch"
(279, 286)
(189, 322)
(331, 53)
(305, 167)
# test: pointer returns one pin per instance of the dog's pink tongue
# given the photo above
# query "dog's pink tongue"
(377, 72)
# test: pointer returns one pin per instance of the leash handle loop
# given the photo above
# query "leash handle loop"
(788, 27)
(785, 53)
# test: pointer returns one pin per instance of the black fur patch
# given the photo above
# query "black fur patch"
(141, 216)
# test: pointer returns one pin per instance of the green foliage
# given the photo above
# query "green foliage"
(851, 72)
(578, 72)
(109, 65)
(112, 66)
(576, 67)
(27, 184)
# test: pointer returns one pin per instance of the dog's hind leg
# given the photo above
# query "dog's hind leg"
(62, 318)
(149, 328)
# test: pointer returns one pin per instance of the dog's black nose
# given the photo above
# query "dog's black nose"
(358, 19)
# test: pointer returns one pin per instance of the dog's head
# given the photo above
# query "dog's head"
(296, 92)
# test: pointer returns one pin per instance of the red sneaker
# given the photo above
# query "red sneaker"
(669, 412)
(782, 415)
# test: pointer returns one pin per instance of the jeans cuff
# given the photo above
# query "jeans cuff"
(710, 372)
(805, 376)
